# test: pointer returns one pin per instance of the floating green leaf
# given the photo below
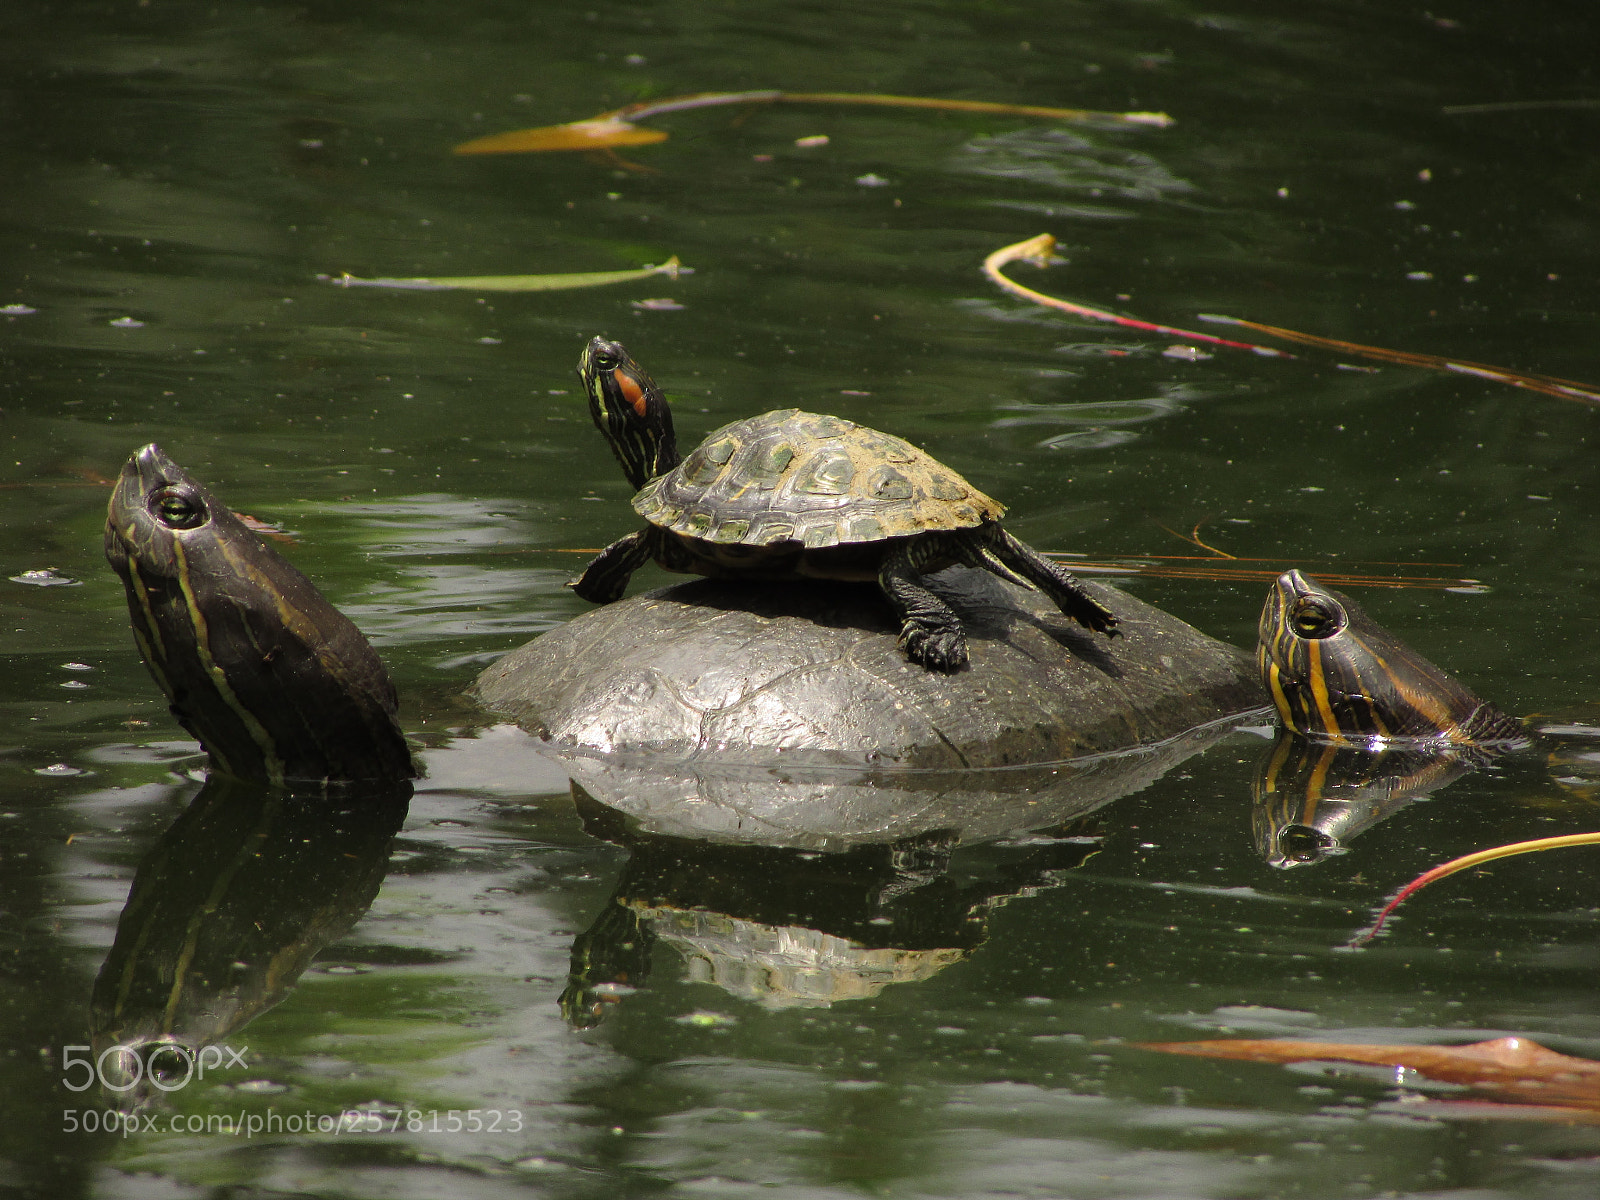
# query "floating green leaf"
(513, 283)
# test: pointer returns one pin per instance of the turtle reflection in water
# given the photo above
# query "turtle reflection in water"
(226, 911)
(792, 494)
(801, 886)
(788, 928)
(1312, 797)
(1369, 724)
(284, 848)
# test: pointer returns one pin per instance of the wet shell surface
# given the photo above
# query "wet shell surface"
(803, 477)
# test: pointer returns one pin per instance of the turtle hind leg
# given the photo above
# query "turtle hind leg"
(930, 632)
(1020, 559)
(606, 577)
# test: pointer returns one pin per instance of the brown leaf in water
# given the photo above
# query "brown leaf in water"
(266, 529)
(1509, 1069)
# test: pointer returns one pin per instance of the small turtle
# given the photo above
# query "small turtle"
(791, 494)
(1334, 673)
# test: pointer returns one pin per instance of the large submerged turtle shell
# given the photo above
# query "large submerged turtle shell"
(808, 673)
(804, 477)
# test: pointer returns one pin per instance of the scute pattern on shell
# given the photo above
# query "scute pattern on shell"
(815, 479)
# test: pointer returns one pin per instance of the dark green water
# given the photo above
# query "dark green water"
(177, 176)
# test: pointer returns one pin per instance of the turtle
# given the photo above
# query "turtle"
(792, 494)
(277, 684)
(1334, 673)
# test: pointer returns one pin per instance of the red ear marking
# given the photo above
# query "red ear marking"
(631, 392)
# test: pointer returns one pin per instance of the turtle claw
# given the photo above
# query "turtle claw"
(605, 592)
(1088, 612)
(1106, 626)
(936, 649)
(1104, 622)
(606, 577)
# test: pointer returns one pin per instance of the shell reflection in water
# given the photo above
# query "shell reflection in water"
(783, 927)
(786, 966)
(812, 886)
(832, 809)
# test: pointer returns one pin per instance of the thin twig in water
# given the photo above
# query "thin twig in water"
(1466, 861)
(1041, 252)
(1456, 110)
(1193, 539)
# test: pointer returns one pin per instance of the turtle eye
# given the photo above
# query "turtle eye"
(176, 510)
(1303, 844)
(1316, 618)
(604, 360)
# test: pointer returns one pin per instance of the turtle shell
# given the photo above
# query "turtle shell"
(792, 476)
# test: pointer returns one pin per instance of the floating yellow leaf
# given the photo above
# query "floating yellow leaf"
(617, 128)
(513, 283)
(599, 134)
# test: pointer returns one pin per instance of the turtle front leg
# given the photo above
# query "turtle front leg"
(1054, 580)
(930, 632)
(606, 577)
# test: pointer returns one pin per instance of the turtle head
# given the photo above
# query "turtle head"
(629, 409)
(155, 505)
(1334, 673)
